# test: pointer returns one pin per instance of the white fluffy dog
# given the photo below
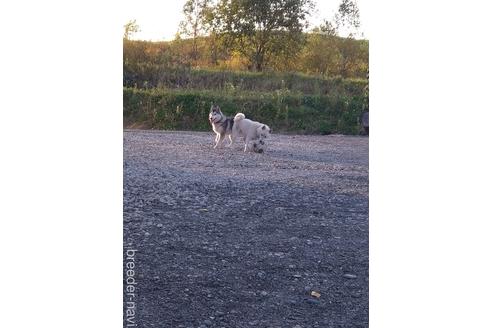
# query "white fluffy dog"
(249, 129)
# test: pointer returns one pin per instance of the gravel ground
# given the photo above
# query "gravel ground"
(232, 239)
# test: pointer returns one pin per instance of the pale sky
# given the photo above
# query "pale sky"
(159, 19)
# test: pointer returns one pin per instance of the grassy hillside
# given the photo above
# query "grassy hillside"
(164, 90)
(159, 76)
(283, 110)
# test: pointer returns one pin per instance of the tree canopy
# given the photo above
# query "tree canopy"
(260, 29)
(130, 28)
(259, 35)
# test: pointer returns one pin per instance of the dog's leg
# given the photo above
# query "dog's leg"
(246, 143)
(221, 139)
(234, 135)
(230, 141)
(216, 140)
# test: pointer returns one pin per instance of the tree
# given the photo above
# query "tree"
(327, 28)
(130, 28)
(321, 54)
(348, 18)
(194, 23)
(350, 52)
(261, 29)
(211, 26)
(327, 53)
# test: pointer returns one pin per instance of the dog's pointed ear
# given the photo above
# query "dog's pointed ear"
(215, 108)
(263, 127)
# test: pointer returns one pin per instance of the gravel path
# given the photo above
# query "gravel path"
(232, 239)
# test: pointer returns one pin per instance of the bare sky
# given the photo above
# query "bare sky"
(159, 19)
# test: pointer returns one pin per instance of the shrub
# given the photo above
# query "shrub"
(283, 111)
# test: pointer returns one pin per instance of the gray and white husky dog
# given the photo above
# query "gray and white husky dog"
(221, 124)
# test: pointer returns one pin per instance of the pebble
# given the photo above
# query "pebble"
(349, 276)
(263, 293)
(313, 301)
(207, 322)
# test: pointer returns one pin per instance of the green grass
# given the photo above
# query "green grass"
(283, 110)
(161, 76)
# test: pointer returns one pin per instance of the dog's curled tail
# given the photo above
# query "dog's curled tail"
(238, 117)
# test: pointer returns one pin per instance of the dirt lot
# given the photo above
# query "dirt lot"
(232, 239)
